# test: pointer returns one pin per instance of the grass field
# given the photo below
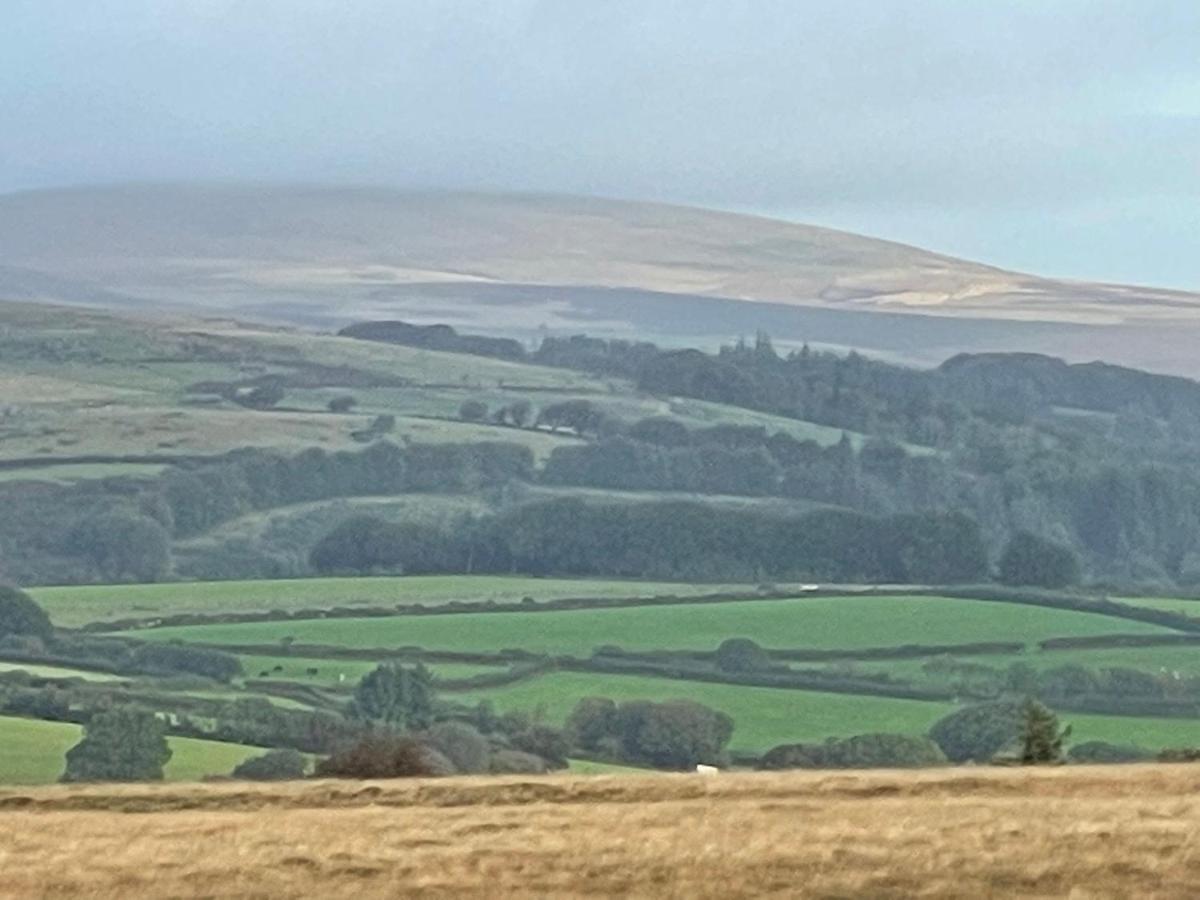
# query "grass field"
(765, 717)
(1079, 832)
(817, 622)
(78, 605)
(32, 752)
(39, 671)
(1158, 660)
(329, 671)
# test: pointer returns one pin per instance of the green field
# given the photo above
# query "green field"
(808, 622)
(32, 752)
(1167, 659)
(79, 605)
(765, 717)
(330, 671)
(40, 671)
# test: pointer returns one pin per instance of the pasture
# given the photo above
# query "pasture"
(329, 672)
(33, 752)
(1097, 832)
(764, 717)
(809, 622)
(78, 605)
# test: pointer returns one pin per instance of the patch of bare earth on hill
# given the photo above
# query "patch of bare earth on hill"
(1079, 832)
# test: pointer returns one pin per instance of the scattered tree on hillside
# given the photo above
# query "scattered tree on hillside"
(1031, 560)
(592, 723)
(473, 411)
(676, 734)
(520, 412)
(396, 696)
(741, 655)
(663, 431)
(20, 615)
(123, 545)
(263, 396)
(548, 744)
(1041, 737)
(121, 744)
(980, 732)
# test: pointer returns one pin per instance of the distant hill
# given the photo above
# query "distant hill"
(517, 263)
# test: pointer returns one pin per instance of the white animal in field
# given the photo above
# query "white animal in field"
(707, 770)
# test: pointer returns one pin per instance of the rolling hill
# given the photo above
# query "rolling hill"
(520, 263)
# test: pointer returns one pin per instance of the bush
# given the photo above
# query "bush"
(467, 749)
(342, 404)
(122, 744)
(277, 765)
(676, 734)
(473, 411)
(864, 751)
(516, 762)
(20, 615)
(1179, 754)
(592, 721)
(549, 744)
(378, 756)
(1104, 752)
(978, 732)
(741, 655)
(168, 658)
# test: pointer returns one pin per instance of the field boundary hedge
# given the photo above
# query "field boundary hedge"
(1119, 640)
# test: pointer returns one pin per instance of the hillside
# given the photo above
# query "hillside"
(516, 263)
(1110, 832)
(241, 447)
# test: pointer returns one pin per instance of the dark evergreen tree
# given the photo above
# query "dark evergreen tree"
(1041, 737)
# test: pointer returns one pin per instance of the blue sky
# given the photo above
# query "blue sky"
(1057, 136)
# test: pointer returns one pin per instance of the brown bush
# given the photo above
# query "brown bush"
(378, 756)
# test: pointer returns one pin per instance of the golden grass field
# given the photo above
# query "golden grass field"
(1092, 832)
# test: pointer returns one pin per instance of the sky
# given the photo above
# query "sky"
(1055, 136)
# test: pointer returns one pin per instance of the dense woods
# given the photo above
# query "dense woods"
(1010, 466)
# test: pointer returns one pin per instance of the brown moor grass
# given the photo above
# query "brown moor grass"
(1119, 831)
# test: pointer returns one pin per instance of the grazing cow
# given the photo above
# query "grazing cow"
(707, 770)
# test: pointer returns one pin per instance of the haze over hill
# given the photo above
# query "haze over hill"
(517, 263)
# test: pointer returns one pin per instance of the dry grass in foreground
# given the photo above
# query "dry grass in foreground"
(1078, 832)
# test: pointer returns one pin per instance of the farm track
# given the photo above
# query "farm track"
(1086, 832)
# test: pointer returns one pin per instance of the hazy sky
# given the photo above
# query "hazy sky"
(1058, 136)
